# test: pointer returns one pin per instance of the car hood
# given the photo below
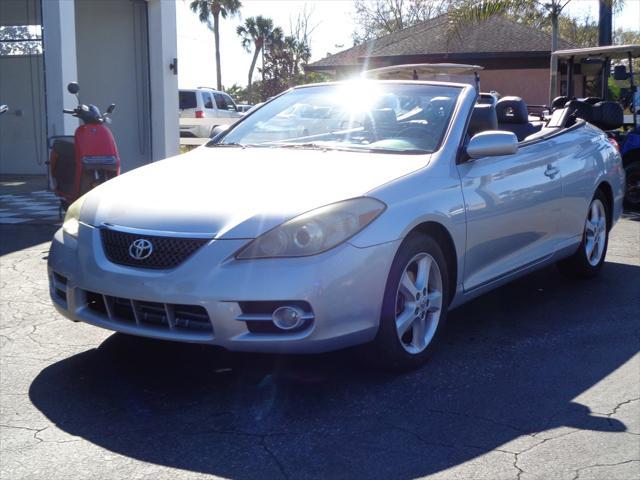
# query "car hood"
(233, 192)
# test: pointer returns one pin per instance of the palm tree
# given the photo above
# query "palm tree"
(480, 10)
(208, 9)
(259, 32)
(300, 53)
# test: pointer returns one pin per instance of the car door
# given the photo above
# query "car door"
(580, 159)
(232, 108)
(512, 205)
(221, 104)
(210, 110)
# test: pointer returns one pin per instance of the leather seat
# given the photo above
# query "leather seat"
(483, 117)
(513, 116)
(381, 122)
(65, 147)
(605, 115)
(559, 102)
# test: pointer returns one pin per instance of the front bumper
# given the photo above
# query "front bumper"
(344, 288)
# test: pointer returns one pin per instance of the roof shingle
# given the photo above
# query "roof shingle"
(432, 37)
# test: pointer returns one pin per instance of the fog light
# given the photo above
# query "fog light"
(288, 318)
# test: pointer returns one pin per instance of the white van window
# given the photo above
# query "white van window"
(206, 98)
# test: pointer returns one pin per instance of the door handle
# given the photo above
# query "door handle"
(551, 171)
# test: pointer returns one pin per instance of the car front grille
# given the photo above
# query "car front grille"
(166, 316)
(167, 252)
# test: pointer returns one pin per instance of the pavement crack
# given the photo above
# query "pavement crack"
(620, 405)
(441, 444)
(35, 431)
(516, 455)
(481, 418)
(597, 465)
(274, 457)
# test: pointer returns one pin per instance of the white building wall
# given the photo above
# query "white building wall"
(113, 67)
(163, 49)
(59, 25)
(22, 129)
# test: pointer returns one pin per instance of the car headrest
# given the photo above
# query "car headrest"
(483, 118)
(439, 109)
(608, 115)
(578, 109)
(380, 118)
(512, 110)
(559, 102)
(487, 99)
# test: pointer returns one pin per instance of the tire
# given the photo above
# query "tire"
(632, 195)
(406, 308)
(588, 259)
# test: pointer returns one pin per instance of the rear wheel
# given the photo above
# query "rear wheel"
(589, 258)
(632, 194)
(414, 306)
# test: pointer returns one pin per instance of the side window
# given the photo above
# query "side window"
(187, 100)
(220, 101)
(230, 103)
(206, 98)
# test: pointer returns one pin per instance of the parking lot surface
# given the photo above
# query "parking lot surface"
(537, 380)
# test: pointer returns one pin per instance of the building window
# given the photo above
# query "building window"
(20, 40)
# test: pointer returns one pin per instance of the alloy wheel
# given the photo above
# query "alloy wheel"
(595, 232)
(418, 303)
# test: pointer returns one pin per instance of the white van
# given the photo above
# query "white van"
(205, 103)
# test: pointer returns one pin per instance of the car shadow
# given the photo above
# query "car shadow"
(18, 237)
(510, 365)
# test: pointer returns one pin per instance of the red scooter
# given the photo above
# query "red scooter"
(90, 157)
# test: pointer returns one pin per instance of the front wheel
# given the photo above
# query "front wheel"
(414, 306)
(589, 258)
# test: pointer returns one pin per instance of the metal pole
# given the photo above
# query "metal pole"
(553, 82)
(605, 23)
(570, 78)
(633, 91)
(605, 78)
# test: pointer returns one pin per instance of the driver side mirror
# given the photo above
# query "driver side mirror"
(111, 108)
(73, 88)
(492, 143)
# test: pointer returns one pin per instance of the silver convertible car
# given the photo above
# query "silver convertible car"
(413, 198)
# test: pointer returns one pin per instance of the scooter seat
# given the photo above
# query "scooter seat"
(65, 147)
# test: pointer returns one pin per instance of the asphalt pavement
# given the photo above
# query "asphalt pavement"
(539, 379)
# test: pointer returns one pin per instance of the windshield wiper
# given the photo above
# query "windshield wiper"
(313, 145)
(232, 144)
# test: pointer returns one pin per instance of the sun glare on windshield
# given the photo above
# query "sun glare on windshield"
(358, 96)
(361, 115)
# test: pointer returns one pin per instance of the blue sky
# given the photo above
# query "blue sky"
(334, 20)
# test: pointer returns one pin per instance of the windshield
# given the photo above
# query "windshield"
(363, 115)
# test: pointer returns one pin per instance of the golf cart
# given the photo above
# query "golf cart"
(594, 64)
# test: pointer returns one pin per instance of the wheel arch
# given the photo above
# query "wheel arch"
(445, 240)
(606, 189)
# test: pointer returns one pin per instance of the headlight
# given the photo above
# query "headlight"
(316, 231)
(72, 218)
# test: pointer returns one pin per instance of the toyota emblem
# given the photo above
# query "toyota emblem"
(140, 249)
